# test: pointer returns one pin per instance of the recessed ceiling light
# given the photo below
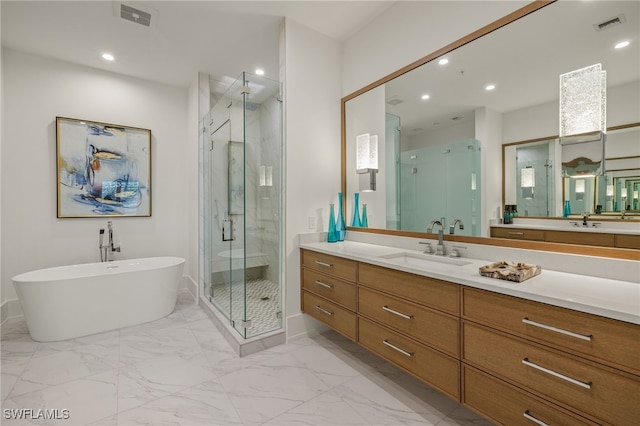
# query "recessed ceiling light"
(259, 71)
(490, 87)
(425, 97)
(443, 61)
(622, 44)
(108, 57)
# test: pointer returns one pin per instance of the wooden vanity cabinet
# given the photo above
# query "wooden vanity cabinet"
(329, 290)
(515, 361)
(413, 322)
(602, 239)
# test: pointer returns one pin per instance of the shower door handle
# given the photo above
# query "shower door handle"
(230, 226)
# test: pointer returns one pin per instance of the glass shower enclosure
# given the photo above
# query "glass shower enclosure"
(242, 201)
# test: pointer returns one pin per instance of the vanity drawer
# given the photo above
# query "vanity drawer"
(435, 368)
(518, 233)
(509, 405)
(337, 266)
(584, 238)
(628, 241)
(605, 340)
(338, 291)
(340, 319)
(595, 390)
(427, 291)
(427, 325)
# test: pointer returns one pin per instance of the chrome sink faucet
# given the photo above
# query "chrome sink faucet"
(452, 227)
(440, 246)
(584, 219)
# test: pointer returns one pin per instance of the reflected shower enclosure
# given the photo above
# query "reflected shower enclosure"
(241, 139)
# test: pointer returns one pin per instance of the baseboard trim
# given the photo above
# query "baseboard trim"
(10, 309)
(299, 326)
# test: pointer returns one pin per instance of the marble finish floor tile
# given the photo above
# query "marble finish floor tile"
(180, 370)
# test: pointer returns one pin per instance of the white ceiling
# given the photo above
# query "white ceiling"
(221, 38)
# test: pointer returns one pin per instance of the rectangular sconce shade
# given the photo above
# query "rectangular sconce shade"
(609, 190)
(366, 152)
(367, 161)
(580, 186)
(623, 192)
(527, 177)
(635, 195)
(473, 181)
(583, 98)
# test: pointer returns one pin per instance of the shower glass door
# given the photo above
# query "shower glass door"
(242, 225)
(224, 188)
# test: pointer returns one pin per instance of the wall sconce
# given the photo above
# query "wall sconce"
(527, 181)
(367, 161)
(473, 181)
(266, 176)
(583, 98)
(580, 189)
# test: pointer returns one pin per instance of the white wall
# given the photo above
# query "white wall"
(312, 148)
(37, 90)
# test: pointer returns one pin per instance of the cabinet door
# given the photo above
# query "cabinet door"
(427, 325)
(437, 294)
(509, 405)
(336, 317)
(435, 368)
(325, 263)
(334, 289)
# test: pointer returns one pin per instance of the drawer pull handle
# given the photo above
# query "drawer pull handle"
(533, 419)
(326, 265)
(515, 233)
(400, 314)
(323, 310)
(557, 330)
(324, 284)
(553, 373)
(402, 351)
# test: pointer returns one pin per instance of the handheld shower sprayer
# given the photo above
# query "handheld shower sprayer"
(100, 245)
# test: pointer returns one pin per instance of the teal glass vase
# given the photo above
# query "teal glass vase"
(341, 224)
(364, 222)
(567, 209)
(356, 211)
(332, 235)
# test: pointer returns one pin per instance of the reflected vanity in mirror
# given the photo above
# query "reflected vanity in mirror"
(440, 126)
(546, 193)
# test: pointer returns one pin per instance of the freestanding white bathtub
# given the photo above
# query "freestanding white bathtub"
(77, 300)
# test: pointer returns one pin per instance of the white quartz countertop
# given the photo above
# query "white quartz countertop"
(599, 296)
(598, 229)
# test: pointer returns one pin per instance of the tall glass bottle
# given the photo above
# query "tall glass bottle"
(341, 224)
(356, 211)
(365, 221)
(332, 235)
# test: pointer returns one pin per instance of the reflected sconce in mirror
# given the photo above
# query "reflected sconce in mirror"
(609, 197)
(583, 96)
(367, 161)
(527, 182)
(580, 188)
(266, 176)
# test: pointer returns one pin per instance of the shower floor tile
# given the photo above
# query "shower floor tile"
(180, 371)
(263, 304)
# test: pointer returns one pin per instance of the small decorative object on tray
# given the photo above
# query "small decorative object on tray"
(510, 271)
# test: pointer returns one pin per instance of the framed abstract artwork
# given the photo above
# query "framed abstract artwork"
(102, 169)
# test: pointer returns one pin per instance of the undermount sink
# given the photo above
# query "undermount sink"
(424, 260)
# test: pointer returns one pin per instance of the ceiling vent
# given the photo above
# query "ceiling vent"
(394, 100)
(620, 19)
(147, 17)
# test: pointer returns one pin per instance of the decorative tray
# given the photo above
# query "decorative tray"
(510, 271)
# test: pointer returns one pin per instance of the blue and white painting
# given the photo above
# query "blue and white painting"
(103, 169)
